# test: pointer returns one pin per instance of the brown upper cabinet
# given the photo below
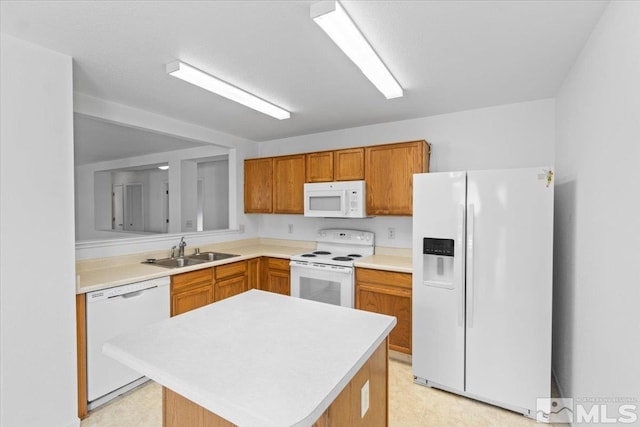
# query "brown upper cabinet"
(320, 166)
(258, 185)
(349, 164)
(288, 184)
(276, 184)
(389, 173)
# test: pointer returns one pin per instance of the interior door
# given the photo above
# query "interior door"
(438, 281)
(133, 219)
(117, 208)
(509, 257)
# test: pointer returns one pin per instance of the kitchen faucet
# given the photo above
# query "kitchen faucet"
(181, 246)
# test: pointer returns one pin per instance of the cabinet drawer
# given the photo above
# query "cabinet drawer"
(382, 277)
(278, 263)
(191, 280)
(230, 270)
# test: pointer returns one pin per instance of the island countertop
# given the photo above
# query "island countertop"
(257, 359)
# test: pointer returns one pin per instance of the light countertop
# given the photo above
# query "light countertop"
(401, 264)
(93, 275)
(110, 275)
(258, 358)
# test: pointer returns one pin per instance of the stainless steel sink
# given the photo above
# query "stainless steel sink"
(210, 256)
(174, 262)
(188, 260)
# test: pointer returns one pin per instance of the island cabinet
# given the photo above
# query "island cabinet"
(349, 164)
(258, 185)
(230, 279)
(276, 276)
(319, 167)
(344, 411)
(389, 173)
(191, 290)
(352, 390)
(389, 293)
(288, 184)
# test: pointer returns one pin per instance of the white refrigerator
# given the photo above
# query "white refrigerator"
(482, 284)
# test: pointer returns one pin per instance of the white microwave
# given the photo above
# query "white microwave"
(341, 199)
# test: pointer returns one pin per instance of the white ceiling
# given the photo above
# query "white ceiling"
(448, 55)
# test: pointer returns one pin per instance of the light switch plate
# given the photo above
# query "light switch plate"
(364, 399)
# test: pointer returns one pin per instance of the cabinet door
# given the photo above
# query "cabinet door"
(349, 164)
(230, 287)
(191, 290)
(387, 293)
(278, 281)
(288, 179)
(258, 185)
(319, 167)
(189, 300)
(389, 173)
(276, 276)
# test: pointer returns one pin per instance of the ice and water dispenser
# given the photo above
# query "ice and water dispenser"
(437, 263)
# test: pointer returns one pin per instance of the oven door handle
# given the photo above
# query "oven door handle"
(322, 267)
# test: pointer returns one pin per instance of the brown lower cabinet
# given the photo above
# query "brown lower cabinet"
(276, 276)
(231, 279)
(387, 292)
(191, 290)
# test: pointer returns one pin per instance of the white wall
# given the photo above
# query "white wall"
(596, 348)
(37, 305)
(215, 181)
(507, 136)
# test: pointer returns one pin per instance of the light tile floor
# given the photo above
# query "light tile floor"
(410, 405)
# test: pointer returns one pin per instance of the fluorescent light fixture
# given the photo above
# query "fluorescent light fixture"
(206, 81)
(164, 168)
(334, 20)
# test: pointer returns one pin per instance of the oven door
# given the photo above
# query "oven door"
(330, 284)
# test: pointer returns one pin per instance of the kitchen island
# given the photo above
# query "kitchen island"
(263, 359)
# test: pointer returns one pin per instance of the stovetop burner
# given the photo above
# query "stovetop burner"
(308, 255)
(355, 255)
(321, 253)
(342, 258)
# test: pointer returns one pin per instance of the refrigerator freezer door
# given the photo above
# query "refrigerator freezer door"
(509, 242)
(438, 281)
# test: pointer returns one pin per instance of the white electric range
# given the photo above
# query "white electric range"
(327, 274)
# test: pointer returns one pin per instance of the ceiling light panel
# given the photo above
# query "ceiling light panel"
(206, 81)
(334, 20)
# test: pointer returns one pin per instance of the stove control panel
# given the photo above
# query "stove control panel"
(355, 237)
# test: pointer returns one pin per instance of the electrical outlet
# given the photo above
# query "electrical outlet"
(391, 234)
(364, 399)
(188, 223)
(290, 228)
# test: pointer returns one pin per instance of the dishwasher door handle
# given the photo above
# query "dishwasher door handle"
(134, 293)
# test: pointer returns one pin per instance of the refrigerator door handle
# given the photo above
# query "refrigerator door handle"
(470, 244)
(460, 261)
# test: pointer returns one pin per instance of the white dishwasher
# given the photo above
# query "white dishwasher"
(111, 312)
